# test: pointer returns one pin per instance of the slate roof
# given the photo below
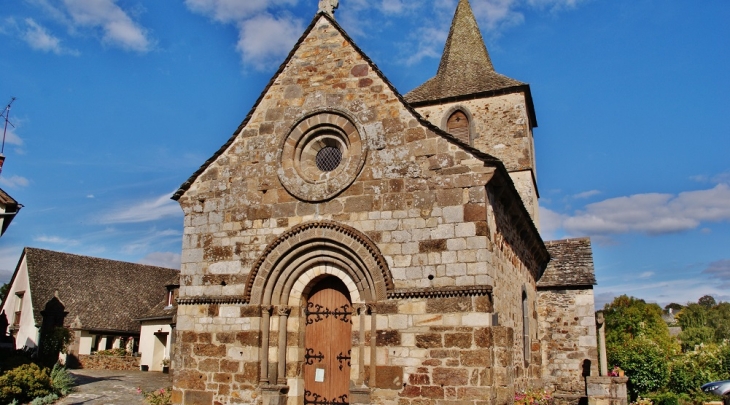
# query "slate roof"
(466, 69)
(11, 206)
(6, 199)
(104, 294)
(161, 310)
(571, 264)
(465, 66)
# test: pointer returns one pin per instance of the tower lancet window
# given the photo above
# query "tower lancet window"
(458, 126)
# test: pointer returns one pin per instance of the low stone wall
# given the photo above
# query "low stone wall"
(95, 362)
(607, 390)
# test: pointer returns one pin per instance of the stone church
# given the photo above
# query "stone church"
(352, 245)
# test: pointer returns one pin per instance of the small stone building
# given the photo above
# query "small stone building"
(352, 245)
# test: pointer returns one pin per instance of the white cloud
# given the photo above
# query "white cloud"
(40, 39)
(430, 44)
(494, 15)
(14, 181)
(118, 28)
(12, 138)
(144, 211)
(265, 40)
(550, 223)
(719, 269)
(162, 259)
(153, 237)
(56, 240)
(646, 274)
(586, 194)
(233, 10)
(649, 213)
(662, 292)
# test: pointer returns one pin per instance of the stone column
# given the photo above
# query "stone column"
(362, 311)
(373, 337)
(265, 320)
(601, 323)
(283, 313)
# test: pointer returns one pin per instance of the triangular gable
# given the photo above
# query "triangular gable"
(422, 121)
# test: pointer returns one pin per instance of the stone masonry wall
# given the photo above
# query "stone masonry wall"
(96, 362)
(500, 128)
(568, 335)
(419, 198)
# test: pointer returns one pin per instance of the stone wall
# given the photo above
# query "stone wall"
(95, 362)
(568, 336)
(423, 202)
(500, 128)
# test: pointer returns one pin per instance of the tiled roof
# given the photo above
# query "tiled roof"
(571, 264)
(6, 199)
(11, 206)
(162, 310)
(465, 66)
(104, 294)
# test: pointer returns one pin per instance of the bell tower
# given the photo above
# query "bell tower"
(480, 107)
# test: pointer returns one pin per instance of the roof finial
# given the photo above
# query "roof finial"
(328, 6)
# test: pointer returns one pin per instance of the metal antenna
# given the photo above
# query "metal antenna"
(6, 115)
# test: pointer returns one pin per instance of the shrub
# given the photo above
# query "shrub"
(61, 380)
(47, 400)
(692, 369)
(53, 342)
(25, 383)
(644, 362)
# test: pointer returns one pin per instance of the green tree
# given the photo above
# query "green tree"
(674, 307)
(707, 301)
(629, 318)
(4, 291)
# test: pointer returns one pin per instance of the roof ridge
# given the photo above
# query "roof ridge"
(29, 249)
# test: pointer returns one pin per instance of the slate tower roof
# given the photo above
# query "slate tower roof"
(465, 67)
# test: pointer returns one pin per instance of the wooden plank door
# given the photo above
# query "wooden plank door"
(328, 344)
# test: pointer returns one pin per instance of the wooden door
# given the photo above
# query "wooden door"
(328, 344)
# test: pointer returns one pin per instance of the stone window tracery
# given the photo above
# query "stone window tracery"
(321, 156)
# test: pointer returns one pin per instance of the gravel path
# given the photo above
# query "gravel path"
(110, 387)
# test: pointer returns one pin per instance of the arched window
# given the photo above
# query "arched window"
(458, 126)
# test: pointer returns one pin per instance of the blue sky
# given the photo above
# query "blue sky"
(118, 102)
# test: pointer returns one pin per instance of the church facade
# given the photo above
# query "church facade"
(352, 245)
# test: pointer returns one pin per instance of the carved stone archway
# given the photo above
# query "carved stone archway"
(310, 244)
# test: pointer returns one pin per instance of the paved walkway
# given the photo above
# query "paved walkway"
(110, 387)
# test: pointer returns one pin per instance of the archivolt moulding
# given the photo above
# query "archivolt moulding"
(312, 244)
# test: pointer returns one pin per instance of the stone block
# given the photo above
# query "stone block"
(450, 376)
(198, 397)
(450, 304)
(389, 377)
(461, 340)
(387, 338)
(429, 340)
(476, 358)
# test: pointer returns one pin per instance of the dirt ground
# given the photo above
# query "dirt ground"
(110, 387)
